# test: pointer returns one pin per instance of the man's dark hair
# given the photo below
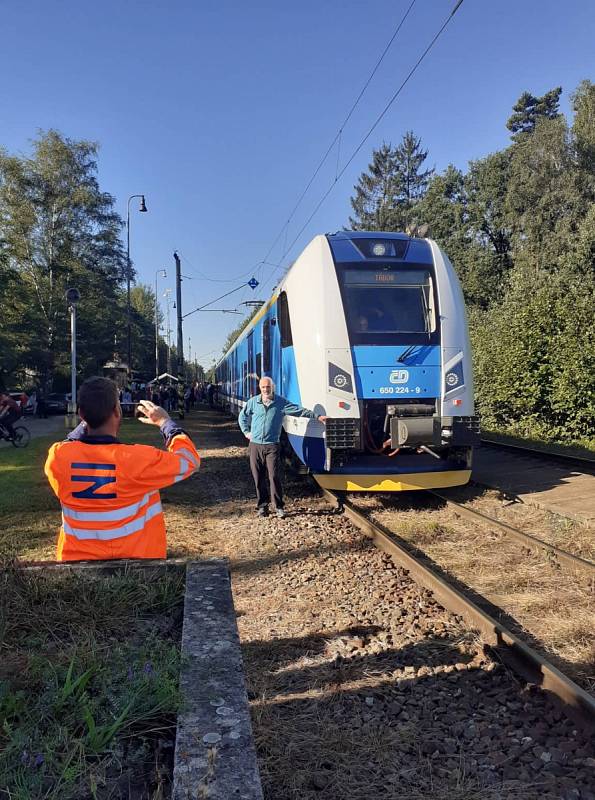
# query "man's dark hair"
(97, 399)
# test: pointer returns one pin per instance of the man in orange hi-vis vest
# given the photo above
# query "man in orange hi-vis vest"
(109, 491)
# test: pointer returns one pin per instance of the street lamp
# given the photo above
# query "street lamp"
(72, 296)
(142, 207)
(163, 274)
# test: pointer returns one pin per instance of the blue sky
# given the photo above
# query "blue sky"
(219, 111)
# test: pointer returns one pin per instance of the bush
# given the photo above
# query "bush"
(534, 356)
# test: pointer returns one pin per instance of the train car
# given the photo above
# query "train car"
(370, 330)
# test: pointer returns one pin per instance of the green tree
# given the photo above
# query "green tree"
(528, 109)
(546, 196)
(394, 184)
(583, 129)
(444, 210)
(376, 193)
(142, 302)
(412, 181)
(59, 229)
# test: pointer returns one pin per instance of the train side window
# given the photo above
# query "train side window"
(284, 321)
(258, 370)
(266, 346)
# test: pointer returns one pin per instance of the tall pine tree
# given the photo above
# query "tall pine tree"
(528, 109)
(394, 183)
(376, 193)
(413, 182)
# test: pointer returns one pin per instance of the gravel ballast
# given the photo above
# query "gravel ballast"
(361, 686)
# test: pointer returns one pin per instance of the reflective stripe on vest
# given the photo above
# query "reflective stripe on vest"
(187, 462)
(112, 533)
(182, 451)
(108, 516)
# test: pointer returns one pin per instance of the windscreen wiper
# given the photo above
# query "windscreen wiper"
(406, 353)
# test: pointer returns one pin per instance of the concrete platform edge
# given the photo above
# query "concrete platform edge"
(215, 755)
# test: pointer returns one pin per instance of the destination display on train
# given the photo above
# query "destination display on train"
(388, 277)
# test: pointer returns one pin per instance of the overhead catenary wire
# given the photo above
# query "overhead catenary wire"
(339, 131)
(200, 274)
(210, 303)
(368, 134)
(258, 266)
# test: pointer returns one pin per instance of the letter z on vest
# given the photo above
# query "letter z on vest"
(109, 494)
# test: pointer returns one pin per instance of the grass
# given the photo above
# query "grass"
(88, 668)
(88, 682)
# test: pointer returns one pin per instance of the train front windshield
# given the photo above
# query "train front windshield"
(388, 303)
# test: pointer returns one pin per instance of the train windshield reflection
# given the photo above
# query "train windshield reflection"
(389, 301)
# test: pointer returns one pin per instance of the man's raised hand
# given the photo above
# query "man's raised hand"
(153, 415)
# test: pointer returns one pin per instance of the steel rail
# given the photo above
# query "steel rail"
(581, 462)
(533, 667)
(534, 542)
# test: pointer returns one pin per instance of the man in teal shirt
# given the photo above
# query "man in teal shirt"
(261, 421)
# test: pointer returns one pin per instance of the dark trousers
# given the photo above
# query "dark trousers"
(265, 465)
(7, 420)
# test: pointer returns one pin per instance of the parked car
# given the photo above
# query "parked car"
(17, 396)
(57, 403)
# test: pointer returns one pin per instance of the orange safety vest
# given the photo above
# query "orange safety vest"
(109, 493)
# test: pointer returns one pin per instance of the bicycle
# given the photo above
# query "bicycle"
(21, 437)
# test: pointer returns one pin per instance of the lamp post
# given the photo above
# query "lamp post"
(142, 207)
(72, 296)
(163, 274)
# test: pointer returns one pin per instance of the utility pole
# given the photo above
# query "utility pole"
(166, 294)
(180, 349)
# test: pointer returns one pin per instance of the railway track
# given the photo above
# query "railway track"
(554, 554)
(525, 661)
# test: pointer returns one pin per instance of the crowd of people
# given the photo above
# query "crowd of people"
(176, 397)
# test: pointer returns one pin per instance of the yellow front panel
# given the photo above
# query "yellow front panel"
(394, 483)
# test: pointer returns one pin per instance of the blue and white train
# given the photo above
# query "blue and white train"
(370, 330)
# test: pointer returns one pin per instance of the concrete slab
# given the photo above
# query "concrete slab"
(557, 489)
(215, 756)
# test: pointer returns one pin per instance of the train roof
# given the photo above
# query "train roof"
(349, 246)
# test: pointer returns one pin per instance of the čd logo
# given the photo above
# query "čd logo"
(399, 376)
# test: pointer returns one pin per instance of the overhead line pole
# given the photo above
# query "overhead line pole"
(180, 348)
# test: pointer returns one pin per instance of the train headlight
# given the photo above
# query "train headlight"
(379, 249)
(452, 379)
